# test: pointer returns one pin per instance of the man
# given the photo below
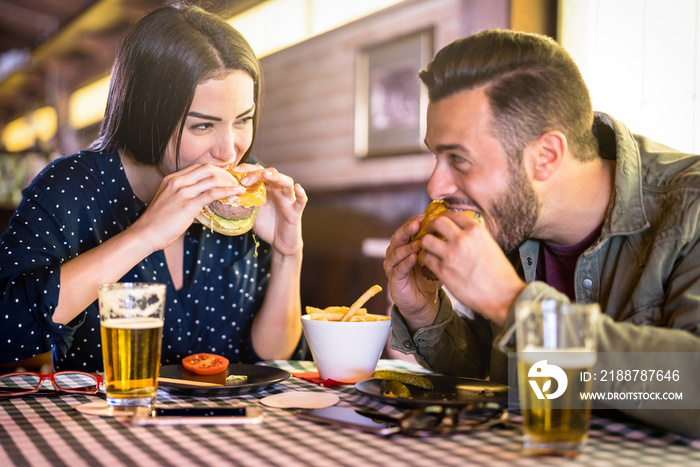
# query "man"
(575, 208)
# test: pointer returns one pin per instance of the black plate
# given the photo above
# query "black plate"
(447, 390)
(259, 377)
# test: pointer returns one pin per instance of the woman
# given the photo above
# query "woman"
(183, 106)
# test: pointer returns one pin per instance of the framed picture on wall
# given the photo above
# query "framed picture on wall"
(390, 102)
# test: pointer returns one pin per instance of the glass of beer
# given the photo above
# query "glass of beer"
(131, 319)
(556, 353)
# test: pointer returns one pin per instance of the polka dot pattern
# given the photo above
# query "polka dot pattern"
(77, 203)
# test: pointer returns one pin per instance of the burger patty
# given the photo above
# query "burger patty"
(229, 211)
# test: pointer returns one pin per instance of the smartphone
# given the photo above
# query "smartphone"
(199, 416)
(347, 417)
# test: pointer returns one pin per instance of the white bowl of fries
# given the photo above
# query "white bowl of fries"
(346, 342)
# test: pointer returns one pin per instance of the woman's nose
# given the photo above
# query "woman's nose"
(226, 147)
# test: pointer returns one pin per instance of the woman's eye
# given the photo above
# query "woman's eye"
(201, 126)
(244, 120)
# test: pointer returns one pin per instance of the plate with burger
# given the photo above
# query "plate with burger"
(234, 215)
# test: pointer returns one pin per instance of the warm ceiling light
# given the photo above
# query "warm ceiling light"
(87, 105)
(330, 14)
(277, 24)
(273, 25)
(24, 132)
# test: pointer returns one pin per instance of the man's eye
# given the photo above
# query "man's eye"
(456, 160)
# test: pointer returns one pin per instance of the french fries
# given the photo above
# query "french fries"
(351, 314)
(332, 313)
(371, 292)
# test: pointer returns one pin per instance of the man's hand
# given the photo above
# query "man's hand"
(467, 260)
(414, 295)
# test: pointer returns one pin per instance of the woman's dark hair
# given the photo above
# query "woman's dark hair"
(532, 83)
(164, 57)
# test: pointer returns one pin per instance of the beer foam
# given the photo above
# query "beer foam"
(133, 323)
(575, 358)
(148, 302)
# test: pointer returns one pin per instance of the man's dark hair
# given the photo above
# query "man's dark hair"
(532, 83)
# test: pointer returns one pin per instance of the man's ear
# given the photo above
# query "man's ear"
(546, 154)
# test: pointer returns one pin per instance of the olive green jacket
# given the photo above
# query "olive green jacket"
(644, 271)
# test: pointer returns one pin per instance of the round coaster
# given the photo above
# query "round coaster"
(300, 400)
(95, 408)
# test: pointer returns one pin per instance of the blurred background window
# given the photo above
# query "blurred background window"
(641, 60)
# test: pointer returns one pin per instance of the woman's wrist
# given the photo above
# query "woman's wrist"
(292, 259)
(294, 255)
(138, 235)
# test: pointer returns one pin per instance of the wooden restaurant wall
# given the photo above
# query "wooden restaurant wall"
(308, 126)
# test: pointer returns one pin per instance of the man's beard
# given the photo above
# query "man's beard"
(516, 211)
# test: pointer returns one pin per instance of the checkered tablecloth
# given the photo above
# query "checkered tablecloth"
(50, 431)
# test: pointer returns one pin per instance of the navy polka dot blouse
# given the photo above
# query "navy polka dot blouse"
(78, 202)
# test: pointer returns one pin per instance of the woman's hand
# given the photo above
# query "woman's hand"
(177, 200)
(279, 221)
(180, 198)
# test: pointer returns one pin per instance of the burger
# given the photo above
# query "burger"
(434, 210)
(234, 215)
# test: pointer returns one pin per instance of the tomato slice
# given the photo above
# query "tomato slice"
(205, 363)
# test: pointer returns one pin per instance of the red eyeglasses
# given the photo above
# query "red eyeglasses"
(20, 383)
